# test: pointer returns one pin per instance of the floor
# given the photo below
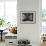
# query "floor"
(2, 43)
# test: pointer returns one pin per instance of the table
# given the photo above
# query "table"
(10, 39)
(1, 34)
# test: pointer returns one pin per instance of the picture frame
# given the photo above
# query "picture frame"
(28, 17)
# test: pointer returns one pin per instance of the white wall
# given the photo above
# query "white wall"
(29, 31)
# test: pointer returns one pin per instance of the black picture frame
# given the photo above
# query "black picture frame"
(27, 17)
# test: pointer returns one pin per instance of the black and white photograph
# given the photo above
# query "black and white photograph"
(27, 17)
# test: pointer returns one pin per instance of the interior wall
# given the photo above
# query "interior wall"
(29, 31)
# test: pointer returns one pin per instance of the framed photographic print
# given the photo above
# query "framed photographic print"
(28, 17)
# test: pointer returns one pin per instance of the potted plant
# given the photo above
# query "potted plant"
(1, 22)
